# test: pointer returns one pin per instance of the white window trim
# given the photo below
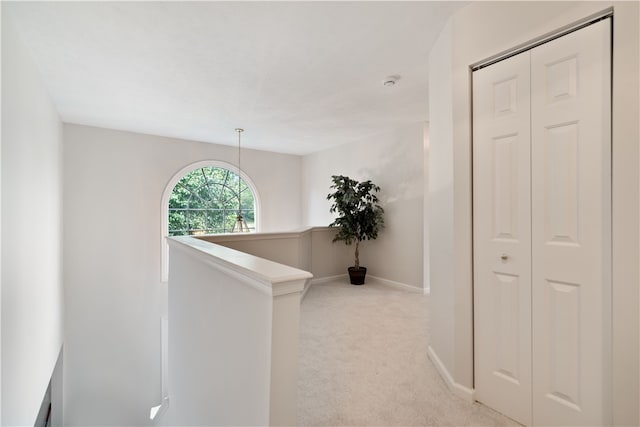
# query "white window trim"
(164, 204)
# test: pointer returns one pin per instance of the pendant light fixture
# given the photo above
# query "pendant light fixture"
(240, 226)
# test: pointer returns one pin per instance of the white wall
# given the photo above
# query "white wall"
(440, 198)
(114, 297)
(1, 38)
(240, 375)
(479, 31)
(218, 376)
(425, 209)
(310, 249)
(394, 162)
(32, 291)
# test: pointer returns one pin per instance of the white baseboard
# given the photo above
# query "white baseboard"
(396, 285)
(321, 280)
(459, 390)
(375, 279)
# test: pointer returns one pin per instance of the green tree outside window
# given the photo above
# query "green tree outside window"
(205, 201)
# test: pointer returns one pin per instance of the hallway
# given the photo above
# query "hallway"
(363, 361)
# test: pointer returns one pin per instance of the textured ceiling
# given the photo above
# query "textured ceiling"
(298, 76)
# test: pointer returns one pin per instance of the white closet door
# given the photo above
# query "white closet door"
(571, 228)
(502, 241)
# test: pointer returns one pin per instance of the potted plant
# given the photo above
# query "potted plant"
(360, 217)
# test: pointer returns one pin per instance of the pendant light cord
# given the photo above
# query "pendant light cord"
(239, 130)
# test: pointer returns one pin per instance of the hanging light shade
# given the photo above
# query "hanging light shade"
(240, 226)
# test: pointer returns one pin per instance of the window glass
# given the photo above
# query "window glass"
(205, 201)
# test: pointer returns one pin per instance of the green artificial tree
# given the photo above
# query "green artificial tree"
(360, 217)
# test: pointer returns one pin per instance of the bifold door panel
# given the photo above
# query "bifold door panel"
(502, 236)
(542, 231)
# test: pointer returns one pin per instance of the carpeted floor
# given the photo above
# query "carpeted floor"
(363, 362)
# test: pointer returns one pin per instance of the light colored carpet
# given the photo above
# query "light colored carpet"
(363, 362)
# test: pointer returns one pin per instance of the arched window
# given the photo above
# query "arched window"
(205, 201)
(203, 198)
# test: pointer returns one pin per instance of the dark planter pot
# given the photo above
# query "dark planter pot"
(357, 276)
